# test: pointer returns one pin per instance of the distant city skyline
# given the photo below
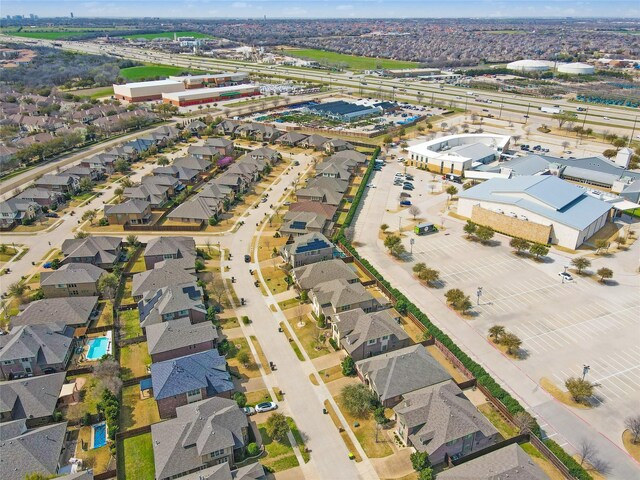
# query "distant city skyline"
(212, 9)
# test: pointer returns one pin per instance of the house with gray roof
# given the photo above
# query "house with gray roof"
(440, 420)
(319, 193)
(305, 249)
(222, 471)
(335, 296)
(33, 399)
(186, 176)
(309, 276)
(202, 153)
(203, 434)
(291, 139)
(333, 170)
(510, 462)
(301, 223)
(201, 163)
(258, 132)
(30, 450)
(336, 145)
(172, 302)
(227, 127)
(83, 475)
(197, 210)
(72, 280)
(103, 162)
(394, 374)
(36, 350)
(154, 194)
(72, 311)
(164, 274)
(178, 338)
(223, 146)
(159, 249)
(41, 196)
(104, 252)
(59, 182)
(363, 335)
(17, 211)
(172, 184)
(314, 141)
(184, 380)
(544, 209)
(79, 171)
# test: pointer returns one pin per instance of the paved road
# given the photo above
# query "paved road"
(564, 425)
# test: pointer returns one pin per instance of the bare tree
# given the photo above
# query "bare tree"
(633, 425)
(217, 290)
(565, 144)
(414, 211)
(108, 373)
(524, 421)
(586, 450)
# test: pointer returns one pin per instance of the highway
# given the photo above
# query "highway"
(503, 104)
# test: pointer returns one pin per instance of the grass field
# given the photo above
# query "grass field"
(135, 458)
(151, 36)
(353, 61)
(49, 34)
(152, 71)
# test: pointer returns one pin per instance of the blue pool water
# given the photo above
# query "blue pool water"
(99, 435)
(97, 348)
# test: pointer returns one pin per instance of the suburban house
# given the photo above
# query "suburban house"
(203, 153)
(172, 184)
(186, 176)
(301, 223)
(129, 212)
(328, 211)
(441, 421)
(265, 154)
(71, 280)
(79, 171)
(72, 311)
(159, 249)
(163, 274)
(291, 139)
(172, 302)
(510, 462)
(335, 296)
(29, 350)
(197, 210)
(15, 211)
(309, 276)
(227, 127)
(323, 190)
(178, 338)
(41, 196)
(154, 194)
(363, 335)
(336, 145)
(200, 163)
(103, 252)
(59, 183)
(392, 375)
(314, 141)
(222, 471)
(330, 169)
(31, 450)
(203, 434)
(258, 132)
(223, 146)
(305, 249)
(31, 399)
(184, 380)
(102, 162)
(195, 126)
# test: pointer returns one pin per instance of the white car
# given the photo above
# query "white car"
(249, 411)
(371, 185)
(266, 407)
(566, 276)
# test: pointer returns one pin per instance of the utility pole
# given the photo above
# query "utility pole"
(500, 114)
(526, 117)
(584, 120)
(585, 370)
(633, 130)
(479, 294)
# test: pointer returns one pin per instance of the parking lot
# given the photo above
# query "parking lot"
(563, 326)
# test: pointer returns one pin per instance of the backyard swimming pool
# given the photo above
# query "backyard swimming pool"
(98, 348)
(99, 435)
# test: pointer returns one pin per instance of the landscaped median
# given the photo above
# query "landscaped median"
(482, 376)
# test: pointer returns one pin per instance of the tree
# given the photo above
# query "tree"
(604, 273)
(108, 284)
(358, 400)
(579, 389)
(633, 425)
(581, 263)
(538, 250)
(253, 449)
(240, 398)
(414, 211)
(17, 290)
(511, 341)
(426, 474)
(401, 307)
(107, 371)
(524, 421)
(587, 450)
(621, 240)
(619, 143)
(199, 265)
(85, 185)
(217, 290)
(516, 139)
(451, 191)
(496, 332)
(37, 476)
(520, 245)
(348, 366)
(384, 227)
(80, 234)
(243, 357)
(565, 144)
(398, 250)
(453, 295)
(420, 461)
(563, 118)
(601, 244)
(277, 427)
(132, 240)
(89, 215)
(418, 267)
(121, 166)
(470, 228)
(391, 241)
(162, 161)
(484, 233)
(609, 153)
(429, 276)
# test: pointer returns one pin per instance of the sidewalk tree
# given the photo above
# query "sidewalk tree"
(451, 191)
(17, 290)
(426, 474)
(496, 332)
(621, 241)
(511, 341)
(581, 263)
(538, 250)
(89, 215)
(484, 233)
(277, 427)
(520, 245)
(358, 400)
(604, 273)
(579, 389)
(470, 228)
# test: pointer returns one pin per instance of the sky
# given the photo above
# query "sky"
(324, 8)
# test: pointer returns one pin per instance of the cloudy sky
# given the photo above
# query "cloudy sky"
(324, 8)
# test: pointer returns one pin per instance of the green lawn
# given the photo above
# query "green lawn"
(135, 459)
(136, 412)
(151, 36)
(94, 92)
(130, 323)
(353, 61)
(47, 35)
(134, 360)
(280, 455)
(152, 71)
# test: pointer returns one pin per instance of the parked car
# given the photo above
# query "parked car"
(407, 187)
(51, 215)
(409, 177)
(249, 411)
(247, 258)
(566, 276)
(405, 203)
(266, 407)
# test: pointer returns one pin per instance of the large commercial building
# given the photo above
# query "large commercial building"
(146, 91)
(212, 79)
(198, 96)
(344, 111)
(457, 153)
(543, 209)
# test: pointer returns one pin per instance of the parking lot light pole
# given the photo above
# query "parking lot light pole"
(565, 272)
(479, 294)
(585, 370)
(411, 242)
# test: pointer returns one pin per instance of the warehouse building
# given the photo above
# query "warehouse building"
(198, 96)
(543, 209)
(212, 79)
(344, 111)
(454, 154)
(146, 91)
(411, 72)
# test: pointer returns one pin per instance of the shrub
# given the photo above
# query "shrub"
(246, 320)
(322, 322)
(348, 367)
(334, 344)
(240, 398)
(253, 449)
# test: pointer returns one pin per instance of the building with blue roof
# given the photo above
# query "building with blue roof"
(543, 209)
(344, 111)
(306, 249)
(184, 380)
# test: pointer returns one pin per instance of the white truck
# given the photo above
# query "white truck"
(552, 110)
